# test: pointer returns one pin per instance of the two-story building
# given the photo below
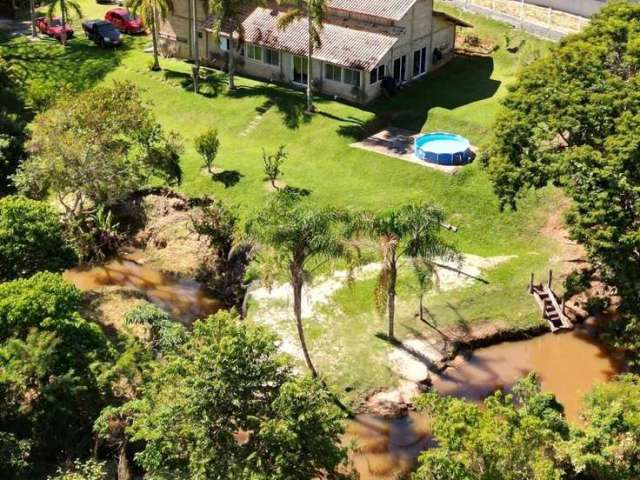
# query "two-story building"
(362, 43)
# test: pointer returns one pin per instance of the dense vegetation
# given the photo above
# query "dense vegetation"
(573, 119)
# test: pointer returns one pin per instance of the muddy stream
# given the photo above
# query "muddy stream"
(568, 364)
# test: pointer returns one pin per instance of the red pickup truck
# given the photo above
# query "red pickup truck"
(53, 27)
(124, 21)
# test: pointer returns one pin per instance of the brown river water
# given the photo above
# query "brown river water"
(185, 299)
(568, 365)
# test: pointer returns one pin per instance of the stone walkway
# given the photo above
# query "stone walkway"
(399, 143)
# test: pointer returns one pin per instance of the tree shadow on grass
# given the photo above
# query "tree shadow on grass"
(212, 84)
(78, 66)
(228, 178)
(290, 104)
(465, 80)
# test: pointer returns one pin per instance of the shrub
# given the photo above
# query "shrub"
(207, 146)
(31, 239)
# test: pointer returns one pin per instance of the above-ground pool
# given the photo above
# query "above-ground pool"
(443, 149)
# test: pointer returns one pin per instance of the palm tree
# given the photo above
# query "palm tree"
(195, 41)
(412, 231)
(231, 13)
(315, 12)
(300, 234)
(150, 11)
(66, 7)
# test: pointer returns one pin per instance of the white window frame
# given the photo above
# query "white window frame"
(251, 48)
(225, 43)
(353, 72)
(293, 69)
(334, 67)
(272, 51)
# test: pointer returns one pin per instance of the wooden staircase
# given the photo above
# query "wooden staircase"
(552, 311)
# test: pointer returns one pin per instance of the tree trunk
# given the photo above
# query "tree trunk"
(296, 282)
(391, 293)
(310, 70)
(32, 8)
(196, 46)
(63, 18)
(154, 37)
(421, 307)
(124, 473)
(232, 64)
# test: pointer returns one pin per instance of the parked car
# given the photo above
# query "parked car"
(102, 33)
(124, 20)
(53, 27)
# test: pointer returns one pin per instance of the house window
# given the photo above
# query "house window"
(272, 57)
(351, 77)
(300, 69)
(377, 74)
(419, 62)
(254, 52)
(224, 44)
(332, 72)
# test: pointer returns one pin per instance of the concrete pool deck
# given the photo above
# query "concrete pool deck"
(399, 143)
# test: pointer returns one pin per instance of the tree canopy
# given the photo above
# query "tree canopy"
(31, 239)
(573, 119)
(226, 405)
(96, 148)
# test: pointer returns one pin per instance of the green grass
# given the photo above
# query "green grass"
(462, 97)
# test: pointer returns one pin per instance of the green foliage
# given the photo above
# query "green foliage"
(273, 164)
(514, 437)
(96, 148)
(66, 8)
(31, 239)
(12, 124)
(224, 266)
(576, 282)
(573, 119)
(227, 406)
(207, 145)
(89, 470)
(609, 444)
(51, 357)
(165, 335)
(13, 455)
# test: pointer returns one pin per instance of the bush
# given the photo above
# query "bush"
(38, 301)
(89, 470)
(576, 282)
(207, 146)
(31, 239)
(597, 305)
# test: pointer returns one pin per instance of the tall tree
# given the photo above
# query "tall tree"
(315, 12)
(96, 148)
(412, 231)
(152, 11)
(230, 13)
(517, 436)
(67, 8)
(227, 406)
(573, 119)
(301, 234)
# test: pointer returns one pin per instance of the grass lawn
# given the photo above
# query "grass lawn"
(462, 97)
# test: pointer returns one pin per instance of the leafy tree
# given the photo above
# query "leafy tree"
(79, 470)
(315, 11)
(165, 334)
(207, 145)
(227, 406)
(608, 447)
(412, 231)
(572, 119)
(151, 12)
(12, 123)
(231, 13)
(14, 454)
(66, 8)
(514, 437)
(50, 392)
(225, 264)
(97, 148)
(273, 164)
(30, 239)
(301, 234)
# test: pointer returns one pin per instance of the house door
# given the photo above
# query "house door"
(400, 69)
(300, 70)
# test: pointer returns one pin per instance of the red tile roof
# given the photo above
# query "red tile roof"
(347, 46)
(390, 9)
